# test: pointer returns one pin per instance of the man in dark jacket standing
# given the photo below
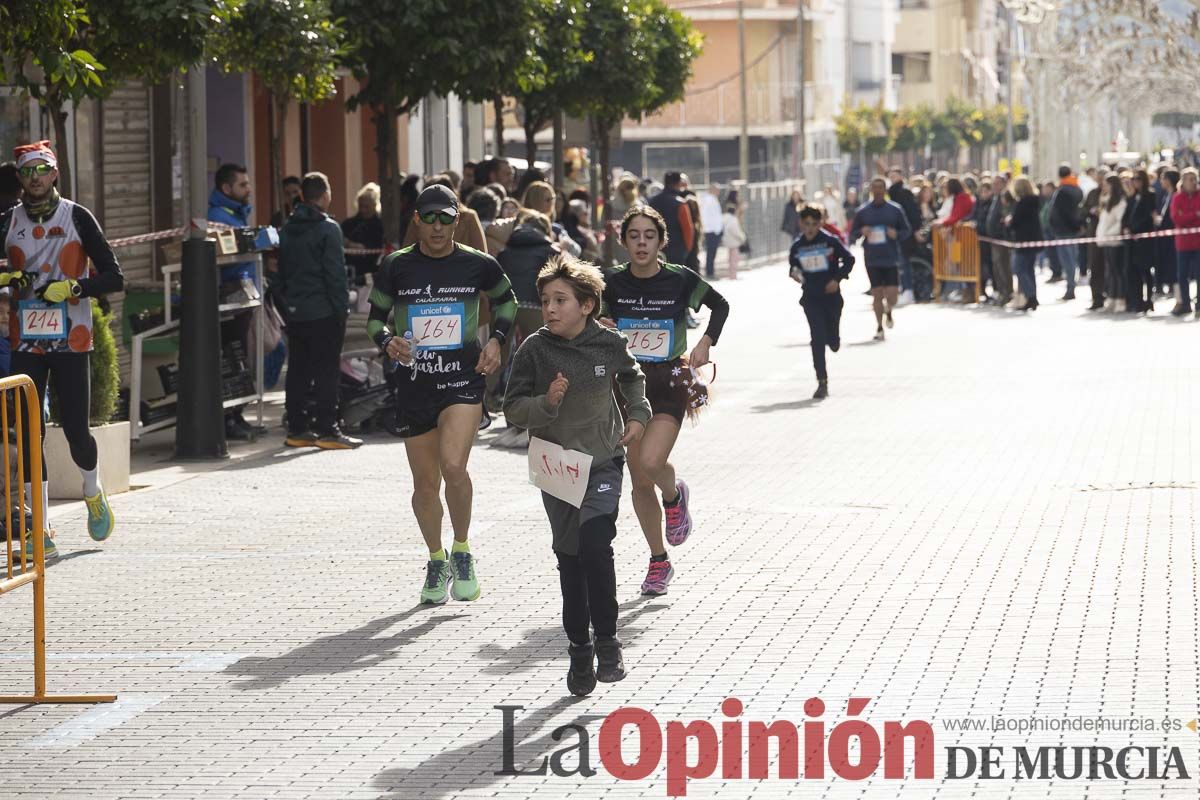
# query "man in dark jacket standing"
(1065, 222)
(902, 196)
(681, 232)
(993, 228)
(316, 293)
(984, 200)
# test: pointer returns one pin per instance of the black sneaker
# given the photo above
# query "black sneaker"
(238, 433)
(610, 665)
(581, 677)
(301, 439)
(822, 390)
(1070, 295)
(338, 441)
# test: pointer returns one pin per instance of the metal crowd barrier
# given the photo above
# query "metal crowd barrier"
(18, 397)
(956, 259)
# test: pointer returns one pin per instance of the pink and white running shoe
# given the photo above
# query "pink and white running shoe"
(679, 521)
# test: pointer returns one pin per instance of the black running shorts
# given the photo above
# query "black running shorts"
(883, 276)
(417, 409)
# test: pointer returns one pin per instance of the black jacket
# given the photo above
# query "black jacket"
(1026, 222)
(1139, 213)
(312, 267)
(1001, 207)
(368, 232)
(1091, 212)
(980, 214)
(674, 209)
(526, 253)
(1065, 210)
(902, 196)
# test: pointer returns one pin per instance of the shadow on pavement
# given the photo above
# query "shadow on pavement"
(360, 648)
(790, 405)
(474, 765)
(539, 646)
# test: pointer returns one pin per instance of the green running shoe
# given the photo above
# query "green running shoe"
(47, 543)
(100, 516)
(466, 587)
(437, 583)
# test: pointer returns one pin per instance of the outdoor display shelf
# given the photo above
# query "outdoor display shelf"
(162, 409)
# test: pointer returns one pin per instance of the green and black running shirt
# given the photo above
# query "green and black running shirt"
(437, 300)
(652, 312)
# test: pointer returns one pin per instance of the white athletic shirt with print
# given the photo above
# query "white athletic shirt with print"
(51, 251)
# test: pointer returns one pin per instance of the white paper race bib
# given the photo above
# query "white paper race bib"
(438, 326)
(877, 234)
(813, 259)
(41, 320)
(558, 472)
(649, 339)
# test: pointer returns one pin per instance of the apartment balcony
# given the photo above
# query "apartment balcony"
(717, 113)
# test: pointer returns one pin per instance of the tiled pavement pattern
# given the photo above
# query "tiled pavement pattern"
(994, 515)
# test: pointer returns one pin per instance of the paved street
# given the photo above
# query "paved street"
(992, 516)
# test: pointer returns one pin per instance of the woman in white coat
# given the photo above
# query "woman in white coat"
(1108, 224)
(732, 238)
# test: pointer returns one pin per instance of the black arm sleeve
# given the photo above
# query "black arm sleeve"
(108, 277)
(719, 312)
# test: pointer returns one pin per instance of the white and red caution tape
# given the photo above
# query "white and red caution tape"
(1088, 239)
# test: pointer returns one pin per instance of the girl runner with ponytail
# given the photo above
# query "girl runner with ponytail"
(648, 300)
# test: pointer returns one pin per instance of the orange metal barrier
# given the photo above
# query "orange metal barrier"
(956, 259)
(27, 415)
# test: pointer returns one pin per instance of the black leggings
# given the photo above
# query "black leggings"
(72, 389)
(824, 313)
(589, 582)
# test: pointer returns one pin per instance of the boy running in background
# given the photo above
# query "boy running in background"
(819, 262)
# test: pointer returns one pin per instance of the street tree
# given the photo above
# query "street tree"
(641, 55)
(293, 46)
(67, 51)
(561, 56)
(478, 52)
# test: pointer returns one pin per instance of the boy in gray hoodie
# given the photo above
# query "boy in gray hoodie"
(561, 390)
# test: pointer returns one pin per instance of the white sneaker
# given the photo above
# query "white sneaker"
(1120, 307)
(1110, 304)
(905, 298)
(503, 438)
(512, 439)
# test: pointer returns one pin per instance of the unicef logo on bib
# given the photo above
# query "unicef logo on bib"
(649, 339)
(438, 326)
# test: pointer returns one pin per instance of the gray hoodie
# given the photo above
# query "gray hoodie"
(588, 419)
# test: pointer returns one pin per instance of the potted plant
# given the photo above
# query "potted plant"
(112, 437)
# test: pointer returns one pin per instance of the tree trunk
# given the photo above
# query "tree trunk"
(279, 104)
(556, 154)
(384, 118)
(601, 131)
(531, 129)
(60, 145)
(498, 132)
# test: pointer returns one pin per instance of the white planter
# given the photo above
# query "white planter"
(112, 442)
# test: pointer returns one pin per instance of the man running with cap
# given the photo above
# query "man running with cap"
(49, 241)
(429, 292)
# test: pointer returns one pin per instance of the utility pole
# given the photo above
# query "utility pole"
(744, 139)
(1012, 50)
(800, 143)
(200, 419)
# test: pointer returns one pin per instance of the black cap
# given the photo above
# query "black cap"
(437, 198)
